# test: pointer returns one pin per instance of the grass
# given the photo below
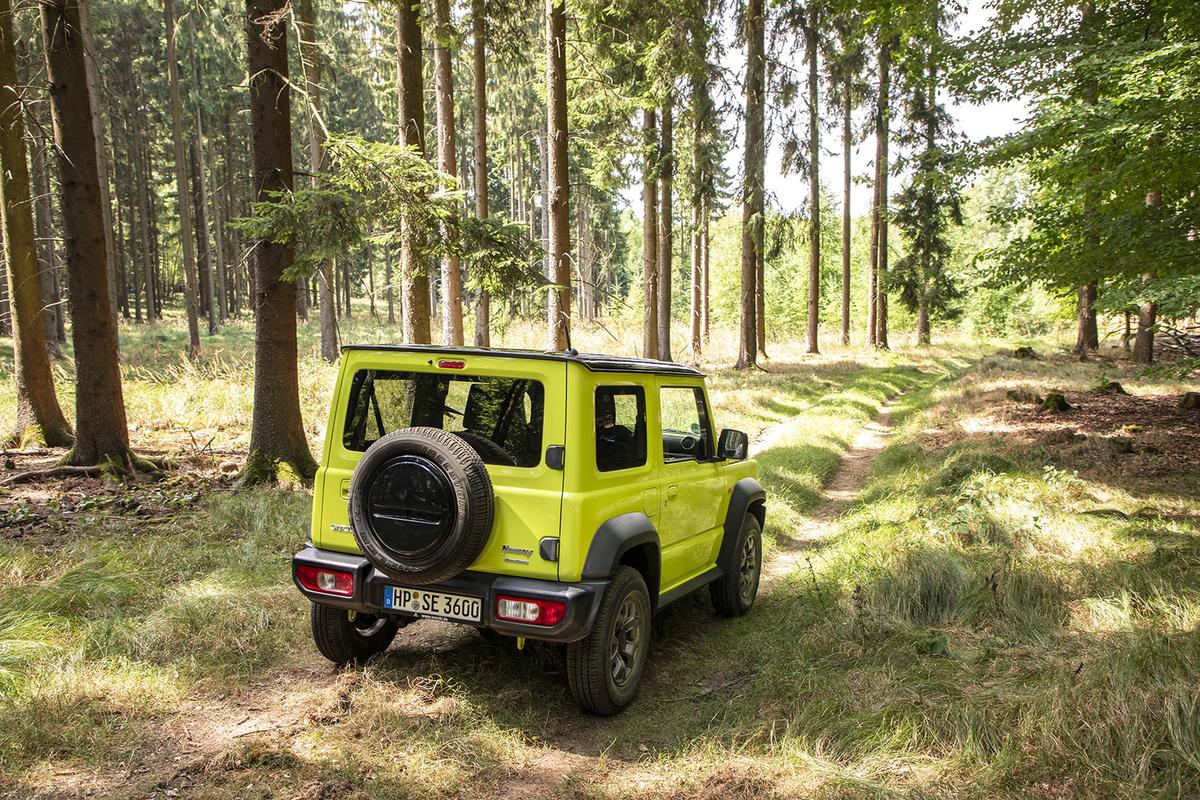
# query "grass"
(995, 616)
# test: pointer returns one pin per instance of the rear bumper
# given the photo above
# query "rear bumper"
(582, 599)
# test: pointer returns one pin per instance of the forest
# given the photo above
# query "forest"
(970, 226)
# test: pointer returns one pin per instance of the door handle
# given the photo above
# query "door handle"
(672, 490)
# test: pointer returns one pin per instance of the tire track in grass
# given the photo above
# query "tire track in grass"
(837, 495)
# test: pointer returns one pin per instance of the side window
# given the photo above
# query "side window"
(620, 427)
(685, 429)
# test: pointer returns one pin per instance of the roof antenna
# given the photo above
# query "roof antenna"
(570, 351)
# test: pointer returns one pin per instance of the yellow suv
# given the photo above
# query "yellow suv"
(556, 496)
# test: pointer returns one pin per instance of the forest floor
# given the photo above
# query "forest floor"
(968, 597)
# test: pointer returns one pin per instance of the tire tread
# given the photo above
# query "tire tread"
(726, 591)
(587, 659)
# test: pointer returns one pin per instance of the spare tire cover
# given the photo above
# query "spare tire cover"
(421, 505)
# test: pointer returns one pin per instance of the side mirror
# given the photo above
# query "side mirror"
(733, 445)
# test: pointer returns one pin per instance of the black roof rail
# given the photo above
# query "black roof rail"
(595, 362)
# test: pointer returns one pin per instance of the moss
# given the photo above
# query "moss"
(1056, 402)
(264, 468)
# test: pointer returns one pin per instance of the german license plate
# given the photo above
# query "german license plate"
(438, 605)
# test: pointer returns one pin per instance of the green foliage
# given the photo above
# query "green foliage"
(925, 210)
(1117, 94)
(369, 190)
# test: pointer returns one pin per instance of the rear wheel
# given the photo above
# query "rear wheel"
(345, 636)
(734, 592)
(604, 669)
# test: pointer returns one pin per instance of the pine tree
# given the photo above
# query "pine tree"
(452, 317)
(310, 55)
(101, 430)
(414, 293)
(277, 428)
(559, 305)
(753, 209)
(483, 319)
(182, 196)
(38, 411)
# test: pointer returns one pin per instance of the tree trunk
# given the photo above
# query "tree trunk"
(694, 315)
(559, 305)
(705, 216)
(701, 106)
(452, 315)
(142, 190)
(202, 281)
(414, 270)
(873, 256)
(102, 434)
(544, 153)
(370, 282)
(1087, 338)
(650, 234)
(847, 143)
(205, 251)
(277, 430)
(1143, 342)
(483, 305)
(814, 181)
(122, 250)
(233, 259)
(923, 336)
(38, 411)
(5, 310)
(883, 124)
(184, 205)
(752, 191)
(666, 224)
(760, 283)
(161, 291)
(310, 59)
(219, 261)
(96, 99)
(52, 307)
(391, 294)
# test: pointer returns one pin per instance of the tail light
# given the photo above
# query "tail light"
(530, 610)
(449, 363)
(325, 581)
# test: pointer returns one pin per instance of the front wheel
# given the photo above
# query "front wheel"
(345, 636)
(734, 592)
(604, 669)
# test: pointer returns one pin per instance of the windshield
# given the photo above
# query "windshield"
(500, 418)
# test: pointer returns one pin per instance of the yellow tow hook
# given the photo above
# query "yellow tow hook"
(352, 615)
(520, 642)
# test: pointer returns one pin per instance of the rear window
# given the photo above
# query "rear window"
(500, 418)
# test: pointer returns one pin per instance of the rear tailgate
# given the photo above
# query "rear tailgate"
(528, 499)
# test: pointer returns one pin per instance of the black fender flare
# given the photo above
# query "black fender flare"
(748, 497)
(614, 539)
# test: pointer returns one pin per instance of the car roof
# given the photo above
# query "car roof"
(594, 362)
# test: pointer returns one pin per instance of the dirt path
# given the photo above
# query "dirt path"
(837, 495)
(201, 744)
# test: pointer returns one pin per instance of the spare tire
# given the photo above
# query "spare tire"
(421, 505)
(488, 450)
